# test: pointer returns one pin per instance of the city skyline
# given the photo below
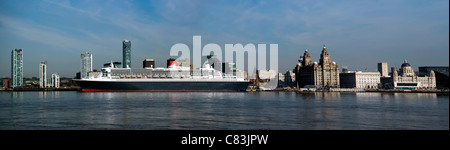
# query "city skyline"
(358, 34)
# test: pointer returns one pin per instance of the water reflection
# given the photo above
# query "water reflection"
(415, 95)
(307, 96)
(386, 96)
(16, 95)
(368, 94)
(227, 110)
(42, 94)
(55, 94)
(108, 95)
(328, 95)
(176, 112)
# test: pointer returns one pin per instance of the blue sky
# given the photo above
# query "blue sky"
(358, 34)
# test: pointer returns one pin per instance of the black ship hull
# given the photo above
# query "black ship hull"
(98, 85)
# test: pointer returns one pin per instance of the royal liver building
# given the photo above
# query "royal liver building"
(323, 74)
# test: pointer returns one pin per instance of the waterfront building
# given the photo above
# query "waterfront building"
(383, 69)
(287, 79)
(126, 53)
(386, 82)
(392, 71)
(359, 79)
(442, 81)
(16, 68)
(6, 83)
(405, 78)
(49, 84)
(441, 73)
(43, 74)
(64, 80)
(86, 64)
(55, 80)
(425, 70)
(322, 74)
(290, 78)
(281, 80)
(77, 75)
(148, 63)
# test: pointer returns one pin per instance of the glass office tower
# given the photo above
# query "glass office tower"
(126, 54)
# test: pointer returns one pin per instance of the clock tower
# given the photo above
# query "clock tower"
(324, 57)
(323, 74)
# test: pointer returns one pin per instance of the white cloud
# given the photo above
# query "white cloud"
(42, 34)
(345, 26)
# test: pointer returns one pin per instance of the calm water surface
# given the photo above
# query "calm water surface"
(228, 110)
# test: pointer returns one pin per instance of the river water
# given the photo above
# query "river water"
(223, 110)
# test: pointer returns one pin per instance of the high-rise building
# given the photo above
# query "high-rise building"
(86, 64)
(55, 80)
(383, 69)
(126, 54)
(16, 68)
(43, 74)
(322, 74)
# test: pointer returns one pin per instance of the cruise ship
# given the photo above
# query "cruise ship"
(173, 78)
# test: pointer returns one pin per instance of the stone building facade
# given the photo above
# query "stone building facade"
(405, 78)
(287, 79)
(360, 80)
(323, 74)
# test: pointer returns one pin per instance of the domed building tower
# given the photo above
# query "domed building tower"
(306, 59)
(395, 76)
(328, 73)
(406, 79)
(406, 70)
